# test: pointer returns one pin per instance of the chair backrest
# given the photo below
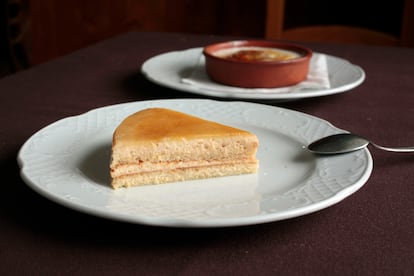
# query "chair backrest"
(275, 29)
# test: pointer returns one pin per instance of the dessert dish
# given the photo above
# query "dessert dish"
(257, 63)
(159, 145)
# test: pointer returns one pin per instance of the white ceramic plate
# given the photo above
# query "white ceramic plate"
(67, 162)
(168, 69)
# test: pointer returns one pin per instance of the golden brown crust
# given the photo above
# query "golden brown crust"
(155, 124)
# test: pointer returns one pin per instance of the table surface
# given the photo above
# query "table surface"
(369, 233)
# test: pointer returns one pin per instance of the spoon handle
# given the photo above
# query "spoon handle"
(399, 149)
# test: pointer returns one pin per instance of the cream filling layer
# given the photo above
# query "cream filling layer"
(144, 167)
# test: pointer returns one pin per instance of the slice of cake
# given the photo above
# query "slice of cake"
(159, 145)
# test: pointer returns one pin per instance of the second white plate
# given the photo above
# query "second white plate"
(168, 69)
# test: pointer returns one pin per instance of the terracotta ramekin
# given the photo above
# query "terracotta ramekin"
(257, 74)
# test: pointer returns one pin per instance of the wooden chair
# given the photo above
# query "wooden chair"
(275, 19)
(14, 24)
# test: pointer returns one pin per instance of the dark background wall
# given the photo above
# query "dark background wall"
(35, 31)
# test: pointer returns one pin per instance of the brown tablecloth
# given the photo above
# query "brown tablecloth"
(369, 233)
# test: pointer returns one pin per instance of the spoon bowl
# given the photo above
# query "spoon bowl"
(347, 142)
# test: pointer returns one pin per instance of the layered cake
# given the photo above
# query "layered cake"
(158, 145)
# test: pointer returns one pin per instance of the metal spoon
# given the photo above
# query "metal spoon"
(347, 142)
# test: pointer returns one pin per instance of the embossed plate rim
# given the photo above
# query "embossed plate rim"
(50, 165)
